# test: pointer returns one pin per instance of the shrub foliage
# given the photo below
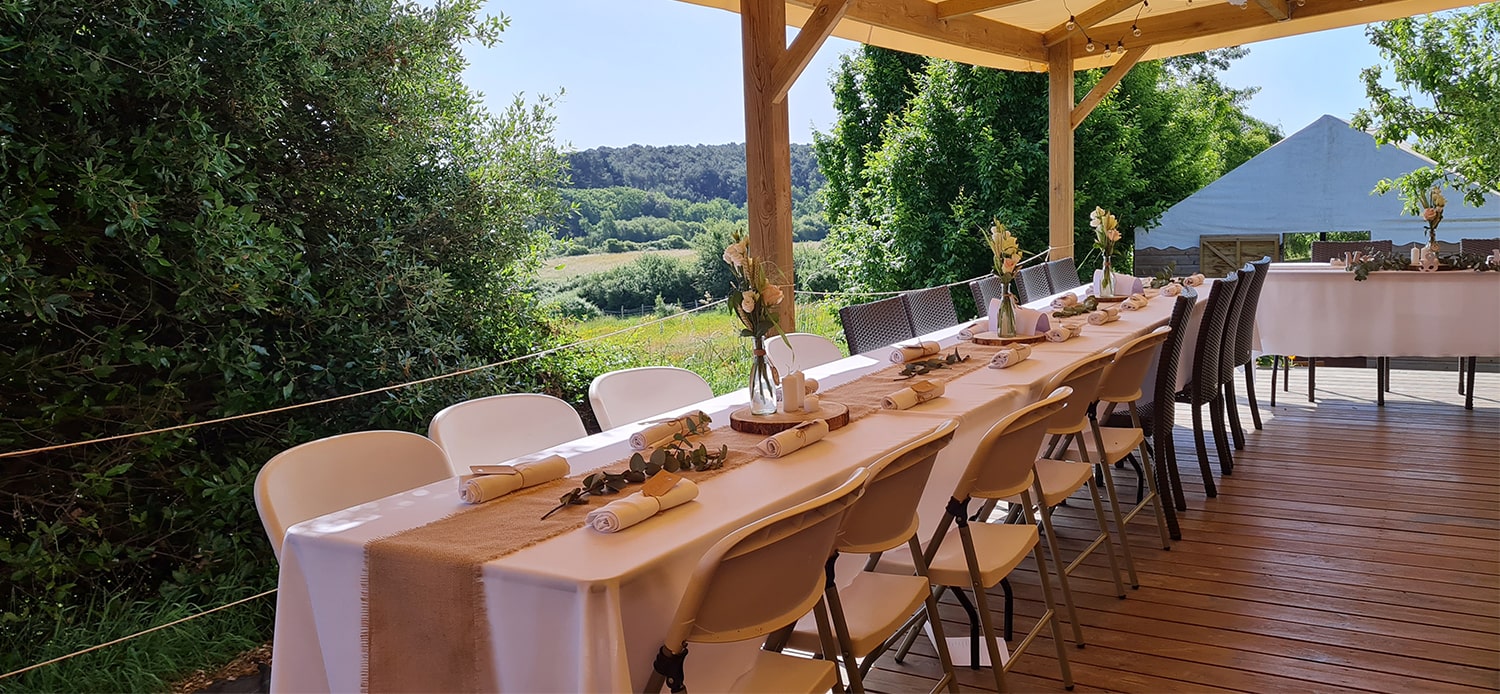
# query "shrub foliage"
(212, 207)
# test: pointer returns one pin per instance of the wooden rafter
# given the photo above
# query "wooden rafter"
(1280, 10)
(960, 8)
(1087, 20)
(1212, 18)
(825, 16)
(1116, 73)
(919, 18)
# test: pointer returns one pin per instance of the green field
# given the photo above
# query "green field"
(707, 343)
(564, 268)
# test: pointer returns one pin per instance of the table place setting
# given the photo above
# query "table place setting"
(912, 395)
(1010, 356)
(663, 491)
(494, 481)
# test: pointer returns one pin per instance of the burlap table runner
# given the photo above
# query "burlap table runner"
(425, 626)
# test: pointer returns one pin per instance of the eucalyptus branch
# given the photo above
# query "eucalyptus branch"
(922, 368)
(677, 456)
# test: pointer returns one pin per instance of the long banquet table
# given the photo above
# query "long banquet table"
(1315, 309)
(585, 611)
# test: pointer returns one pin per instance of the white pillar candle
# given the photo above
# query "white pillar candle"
(811, 404)
(1416, 254)
(791, 391)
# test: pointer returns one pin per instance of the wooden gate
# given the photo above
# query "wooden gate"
(1218, 255)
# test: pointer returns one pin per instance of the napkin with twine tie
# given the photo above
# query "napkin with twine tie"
(905, 353)
(793, 439)
(620, 514)
(1010, 356)
(477, 489)
(911, 396)
(1105, 314)
(662, 430)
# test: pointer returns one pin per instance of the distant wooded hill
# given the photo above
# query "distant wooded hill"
(645, 197)
(696, 173)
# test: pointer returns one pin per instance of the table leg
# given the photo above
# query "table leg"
(1380, 381)
(1469, 394)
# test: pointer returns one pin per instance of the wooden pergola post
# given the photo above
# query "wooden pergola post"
(768, 156)
(1060, 150)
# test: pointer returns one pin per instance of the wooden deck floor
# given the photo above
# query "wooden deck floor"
(1354, 548)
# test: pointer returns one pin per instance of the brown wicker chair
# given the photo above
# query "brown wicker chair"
(930, 309)
(1204, 389)
(984, 289)
(1062, 274)
(1032, 283)
(1324, 251)
(875, 324)
(1244, 337)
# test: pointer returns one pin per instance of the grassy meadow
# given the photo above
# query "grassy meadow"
(568, 267)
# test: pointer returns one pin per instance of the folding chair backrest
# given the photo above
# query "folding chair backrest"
(1032, 283)
(1003, 462)
(1063, 275)
(1210, 339)
(778, 560)
(886, 514)
(1324, 251)
(1125, 377)
(498, 428)
(930, 309)
(337, 472)
(630, 395)
(1244, 336)
(1084, 379)
(800, 351)
(875, 324)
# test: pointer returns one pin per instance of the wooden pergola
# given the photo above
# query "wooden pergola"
(1031, 35)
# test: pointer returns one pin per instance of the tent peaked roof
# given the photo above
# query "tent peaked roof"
(1015, 34)
(1319, 179)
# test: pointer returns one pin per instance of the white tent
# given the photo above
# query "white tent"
(1319, 179)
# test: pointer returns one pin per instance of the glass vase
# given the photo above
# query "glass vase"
(1005, 319)
(1107, 278)
(762, 387)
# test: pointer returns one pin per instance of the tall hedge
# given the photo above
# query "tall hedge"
(211, 207)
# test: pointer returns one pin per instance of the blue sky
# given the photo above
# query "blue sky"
(663, 72)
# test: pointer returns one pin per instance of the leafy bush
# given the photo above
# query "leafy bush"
(574, 307)
(217, 207)
(639, 284)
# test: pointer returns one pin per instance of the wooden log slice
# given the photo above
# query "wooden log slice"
(993, 339)
(1110, 299)
(741, 420)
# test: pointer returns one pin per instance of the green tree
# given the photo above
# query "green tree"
(1452, 63)
(920, 161)
(214, 207)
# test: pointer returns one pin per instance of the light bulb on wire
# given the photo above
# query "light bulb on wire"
(1072, 23)
(1090, 47)
(1135, 30)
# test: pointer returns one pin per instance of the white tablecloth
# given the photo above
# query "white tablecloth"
(584, 612)
(1314, 309)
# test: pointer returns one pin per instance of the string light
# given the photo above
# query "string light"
(1090, 47)
(1072, 23)
(1135, 30)
(1106, 49)
(1120, 46)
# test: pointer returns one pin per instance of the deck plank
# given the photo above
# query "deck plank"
(1354, 548)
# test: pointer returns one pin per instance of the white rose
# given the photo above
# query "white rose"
(747, 304)
(772, 294)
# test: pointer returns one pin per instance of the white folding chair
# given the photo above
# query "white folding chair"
(337, 472)
(870, 611)
(753, 583)
(801, 351)
(501, 427)
(630, 395)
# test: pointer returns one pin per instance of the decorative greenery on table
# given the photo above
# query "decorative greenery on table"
(1395, 261)
(676, 456)
(922, 368)
(1164, 276)
(1088, 305)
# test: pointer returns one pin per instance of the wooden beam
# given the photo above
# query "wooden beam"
(963, 8)
(768, 157)
(919, 18)
(1116, 73)
(1060, 151)
(818, 27)
(1087, 20)
(1216, 18)
(1280, 10)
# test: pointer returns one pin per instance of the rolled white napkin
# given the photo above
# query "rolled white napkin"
(477, 489)
(1124, 284)
(620, 514)
(1010, 356)
(1106, 314)
(979, 326)
(905, 353)
(1172, 289)
(1135, 302)
(793, 439)
(1029, 322)
(1064, 301)
(912, 395)
(662, 431)
(1193, 280)
(1062, 332)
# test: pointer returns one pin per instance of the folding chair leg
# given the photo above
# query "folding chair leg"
(940, 641)
(1051, 617)
(841, 633)
(1198, 434)
(974, 626)
(1114, 506)
(1010, 608)
(1250, 393)
(829, 645)
(1062, 574)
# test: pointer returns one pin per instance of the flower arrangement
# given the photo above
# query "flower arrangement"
(753, 297)
(1106, 231)
(1106, 234)
(1432, 203)
(1005, 250)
